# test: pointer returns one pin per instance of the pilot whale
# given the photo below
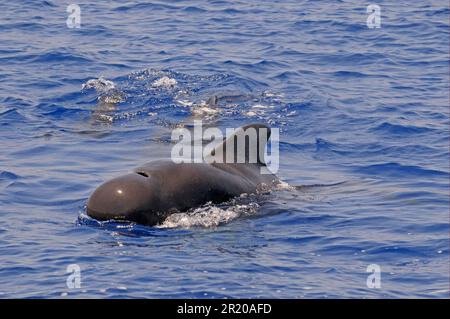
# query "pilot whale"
(158, 189)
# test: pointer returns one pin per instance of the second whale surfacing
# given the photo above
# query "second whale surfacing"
(158, 189)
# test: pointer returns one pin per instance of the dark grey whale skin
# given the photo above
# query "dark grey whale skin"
(157, 189)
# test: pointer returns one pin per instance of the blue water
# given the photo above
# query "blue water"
(366, 108)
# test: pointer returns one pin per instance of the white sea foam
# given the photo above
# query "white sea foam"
(284, 186)
(204, 110)
(209, 216)
(185, 103)
(101, 85)
(272, 94)
(165, 82)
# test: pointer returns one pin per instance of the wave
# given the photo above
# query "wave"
(398, 129)
(399, 170)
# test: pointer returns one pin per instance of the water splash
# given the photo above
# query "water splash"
(165, 82)
(101, 85)
(209, 216)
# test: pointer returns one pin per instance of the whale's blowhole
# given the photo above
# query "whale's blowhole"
(143, 174)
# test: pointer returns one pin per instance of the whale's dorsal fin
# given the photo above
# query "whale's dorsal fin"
(246, 145)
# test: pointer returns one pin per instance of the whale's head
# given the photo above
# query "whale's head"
(131, 197)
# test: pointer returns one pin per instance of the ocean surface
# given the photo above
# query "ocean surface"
(363, 115)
